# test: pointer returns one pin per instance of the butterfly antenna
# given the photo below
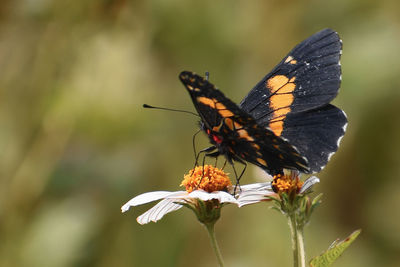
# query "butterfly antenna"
(171, 109)
(207, 74)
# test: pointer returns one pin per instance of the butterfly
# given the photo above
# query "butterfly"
(286, 121)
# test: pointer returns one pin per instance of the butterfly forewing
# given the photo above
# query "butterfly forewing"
(235, 133)
(307, 78)
(293, 99)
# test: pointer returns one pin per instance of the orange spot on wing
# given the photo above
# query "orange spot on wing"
(281, 89)
(262, 162)
(255, 146)
(245, 135)
(287, 88)
(206, 101)
(276, 82)
(237, 125)
(213, 103)
(222, 110)
(226, 113)
(220, 105)
(217, 128)
(232, 124)
(229, 123)
(289, 58)
(276, 127)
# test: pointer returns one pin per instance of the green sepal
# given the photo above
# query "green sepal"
(206, 211)
(275, 199)
(334, 251)
(316, 202)
(187, 205)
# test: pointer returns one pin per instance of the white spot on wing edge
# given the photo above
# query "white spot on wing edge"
(338, 141)
(340, 138)
(329, 157)
(285, 139)
(345, 125)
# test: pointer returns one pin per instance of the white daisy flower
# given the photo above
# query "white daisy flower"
(206, 192)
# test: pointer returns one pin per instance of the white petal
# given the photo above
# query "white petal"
(201, 194)
(222, 196)
(309, 183)
(252, 197)
(256, 186)
(158, 211)
(149, 197)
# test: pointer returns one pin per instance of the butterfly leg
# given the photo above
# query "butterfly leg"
(214, 154)
(238, 177)
(207, 153)
(223, 166)
(206, 150)
(202, 175)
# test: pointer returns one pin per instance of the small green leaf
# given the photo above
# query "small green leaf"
(334, 251)
(317, 200)
(315, 203)
(276, 199)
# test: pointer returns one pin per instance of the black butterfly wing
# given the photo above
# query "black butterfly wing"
(235, 133)
(316, 133)
(291, 99)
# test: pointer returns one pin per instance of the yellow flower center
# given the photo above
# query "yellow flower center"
(286, 183)
(210, 180)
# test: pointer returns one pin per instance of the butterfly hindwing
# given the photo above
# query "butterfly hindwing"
(316, 133)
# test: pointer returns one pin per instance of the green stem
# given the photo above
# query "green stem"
(211, 233)
(300, 244)
(299, 258)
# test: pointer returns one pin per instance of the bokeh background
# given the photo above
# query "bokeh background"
(76, 143)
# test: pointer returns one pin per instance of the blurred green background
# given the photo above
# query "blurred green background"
(76, 143)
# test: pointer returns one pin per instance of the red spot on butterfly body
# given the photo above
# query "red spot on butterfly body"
(217, 139)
